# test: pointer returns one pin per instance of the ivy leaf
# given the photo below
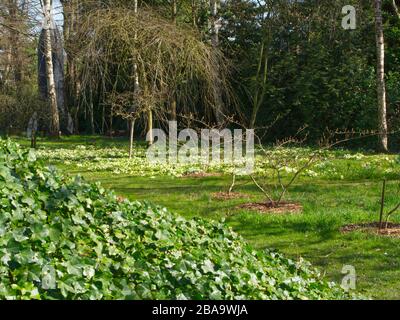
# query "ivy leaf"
(208, 266)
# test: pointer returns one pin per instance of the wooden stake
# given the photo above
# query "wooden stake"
(382, 203)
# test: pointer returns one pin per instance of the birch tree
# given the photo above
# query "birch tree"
(136, 86)
(174, 13)
(380, 72)
(54, 127)
(215, 26)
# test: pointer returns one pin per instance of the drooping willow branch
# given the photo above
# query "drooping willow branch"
(171, 60)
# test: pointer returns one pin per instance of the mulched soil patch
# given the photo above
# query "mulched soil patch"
(268, 207)
(201, 174)
(393, 229)
(228, 196)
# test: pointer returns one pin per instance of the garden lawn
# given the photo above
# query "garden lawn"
(351, 195)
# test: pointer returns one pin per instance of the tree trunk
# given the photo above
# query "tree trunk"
(215, 44)
(396, 9)
(173, 10)
(70, 13)
(136, 84)
(261, 85)
(194, 14)
(173, 109)
(381, 90)
(131, 132)
(214, 23)
(150, 127)
(103, 118)
(91, 111)
(15, 41)
(173, 101)
(111, 123)
(54, 128)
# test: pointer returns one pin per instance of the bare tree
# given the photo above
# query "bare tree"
(130, 106)
(282, 161)
(382, 207)
(161, 60)
(14, 39)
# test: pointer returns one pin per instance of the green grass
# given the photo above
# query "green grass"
(314, 235)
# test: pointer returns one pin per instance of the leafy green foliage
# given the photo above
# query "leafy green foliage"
(63, 238)
(319, 74)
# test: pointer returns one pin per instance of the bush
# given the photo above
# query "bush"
(16, 108)
(63, 238)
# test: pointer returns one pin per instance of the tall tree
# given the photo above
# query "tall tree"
(214, 23)
(13, 35)
(260, 89)
(174, 13)
(14, 40)
(72, 82)
(215, 26)
(54, 127)
(136, 86)
(380, 71)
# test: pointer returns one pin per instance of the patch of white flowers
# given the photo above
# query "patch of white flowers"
(286, 161)
(357, 156)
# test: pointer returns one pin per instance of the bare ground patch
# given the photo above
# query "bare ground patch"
(391, 229)
(201, 174)
(228, 195)
(269, 207)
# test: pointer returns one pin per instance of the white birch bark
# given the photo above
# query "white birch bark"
(380, 71)
(51, 88)
(215, 26)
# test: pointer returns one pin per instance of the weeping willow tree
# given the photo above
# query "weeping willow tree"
(121, 46)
